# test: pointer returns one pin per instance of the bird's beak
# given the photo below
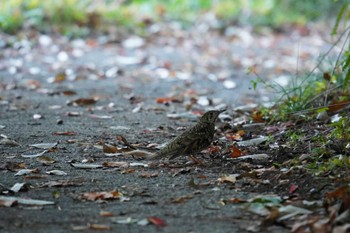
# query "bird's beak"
(222, 110)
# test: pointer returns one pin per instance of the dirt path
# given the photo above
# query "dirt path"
(145, 90)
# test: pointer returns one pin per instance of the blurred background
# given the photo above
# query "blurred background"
(80, 17)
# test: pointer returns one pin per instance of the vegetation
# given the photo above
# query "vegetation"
(67, 15)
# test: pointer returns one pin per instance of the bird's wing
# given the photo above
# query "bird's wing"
(191, 141)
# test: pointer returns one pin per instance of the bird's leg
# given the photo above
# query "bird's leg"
(195, 160)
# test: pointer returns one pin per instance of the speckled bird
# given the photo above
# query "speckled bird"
(193, 140)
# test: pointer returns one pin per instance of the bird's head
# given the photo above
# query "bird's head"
(211, 116)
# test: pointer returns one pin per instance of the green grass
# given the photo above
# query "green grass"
(63, 15)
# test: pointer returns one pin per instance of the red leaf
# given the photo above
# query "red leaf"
(235, 152)
(342, 193)
(293, 188)
(157, 221)
(68, 133)
(336, 106)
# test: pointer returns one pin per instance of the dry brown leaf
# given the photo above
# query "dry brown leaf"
(110, 149)
(128, 171)
(258, 117)
(106, 213)
(83, 102)
(116, 164)
(68, 93)
(181, 199)
(148, 174)
(234, 200)
(45, 160)
(99, 227)
(93, 196)
(68, 133)
(122, 138)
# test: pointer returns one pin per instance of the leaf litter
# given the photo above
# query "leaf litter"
(183, 104)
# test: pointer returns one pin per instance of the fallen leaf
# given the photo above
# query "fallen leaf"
(164, 100)
(80, 228)
(289, 211)
(258, 117)
(128, 171)
(110, 149)
(7, 142)
(124, 220)
(44, 145)
(73, 114)
(94, 116)
(181, 199)
(230, 178)
(68, 133)
(122, 138)
(138, 164)
(60, 77)
(128, 61)
(68, 93)
(99, 227)
(116, 164)
(56, 172)
(341, 194)
(8, 203)
(119, 127)
(37, 116)
(19, 187)
(293, 188)
(86, 165)
(235, 152)
(253, 142)
(34, 155)
(60, 183)
(23, 172)
(45, 160)
(12, 166)
(157, 221)
(336, 106)
(234, 200)
(148, 174)
(214, 150)
(106, 213)
(93, 196)
(254, 157)
(25, 201)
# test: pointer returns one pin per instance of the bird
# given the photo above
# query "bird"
(193, 140)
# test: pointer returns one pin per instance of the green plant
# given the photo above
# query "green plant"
(341, 129)
(331, 164)
(54, 15)
(11, 17)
